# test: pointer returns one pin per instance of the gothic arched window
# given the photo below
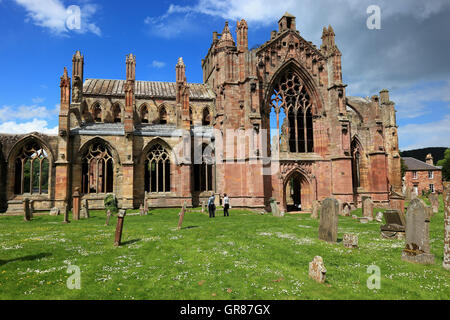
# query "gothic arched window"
(290, 95)
(206, 119)
(117, 114)
(97, 170)
(356, 164)
(31, 170)
(203, 172)
(163, 116)
(144, 114)
(157, 170)
(97, 113)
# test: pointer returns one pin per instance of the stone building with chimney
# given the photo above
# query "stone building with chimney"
(271, 122)
(423, 176)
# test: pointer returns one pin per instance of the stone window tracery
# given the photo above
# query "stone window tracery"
(144, 114)
(163, 116)
(97, 113)
(203, 172)
(31, 170)
(117, 114)
(206, 119)
(290, 95)
(97, 170)
(157, 170)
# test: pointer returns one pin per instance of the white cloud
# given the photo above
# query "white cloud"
(12, 127)
(27, 112)
(53, 15)
(158, 64)
(38, 100)
(432, 134)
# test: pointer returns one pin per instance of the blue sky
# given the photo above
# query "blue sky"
(408, 55)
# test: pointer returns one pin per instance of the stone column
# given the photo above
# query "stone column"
(447, 225)
(76, 204)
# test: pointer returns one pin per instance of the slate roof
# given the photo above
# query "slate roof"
(417, 165)
(145, 89)
(150, 130)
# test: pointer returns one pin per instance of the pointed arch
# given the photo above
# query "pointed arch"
(162, 114)
(98, 162)
(297, 190)
(157, 157)
(358, 163)
(117, 112)
(206, 117)
(97, 112)
(144, 113)
(203, 170)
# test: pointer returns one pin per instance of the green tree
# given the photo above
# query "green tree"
(445, 164)
(403, 167)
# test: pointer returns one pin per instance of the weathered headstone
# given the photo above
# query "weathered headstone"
(108, 216)
(395, 226)
(275, 210)
(434, 200)
(85, 209)
(65, 212)
(54, 212)
(315, 209)
(317, 270)
(350, 241)
(203, 206)
(76, 204)
(119, 227)
(26, 209)
(446, 263)
(181, 214)
(146, 207)
(379, 217)
(367, 208)
(32, 209)
(414, 195)
(364, 220)
(141, 210)
(346, 210)
(329, 220)
(417, 247)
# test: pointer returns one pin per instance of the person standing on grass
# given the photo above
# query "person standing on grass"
(226, 205)
(212, 206)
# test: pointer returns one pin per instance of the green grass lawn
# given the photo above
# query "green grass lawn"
(244, 256)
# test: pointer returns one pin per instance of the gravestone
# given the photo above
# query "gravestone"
(108, 216)
(350, 241)
(346, 210)
(317, 270)
(141, 210)
(434, 200)
(329, 220)
(26, 210)
(315, 209)
(417, 247)
(31, 208)
(414, 195)
(203, 206)
(119, 227)
(145, 206)
(395, 226)
(367, 208)
(76, 204)
(85, 209)
(181, 214)
(275, 210)
(65, 212)
(446, 263)
(379, 217)
(54, 212)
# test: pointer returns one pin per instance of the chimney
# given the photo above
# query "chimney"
(429, 159)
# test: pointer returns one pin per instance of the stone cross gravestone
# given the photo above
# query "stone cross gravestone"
(315, 209)
(26, 210)
(446, 263)
(367, 208)
(329, 220)
(350, 241)
(417, 247)
(434, 200)
(317, 270)
(395, 225)
(85, 209)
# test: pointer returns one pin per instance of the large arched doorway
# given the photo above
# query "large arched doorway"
(297, 193)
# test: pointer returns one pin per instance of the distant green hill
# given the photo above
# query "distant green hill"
(421, 154)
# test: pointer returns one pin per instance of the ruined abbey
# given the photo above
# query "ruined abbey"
(269, 123)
